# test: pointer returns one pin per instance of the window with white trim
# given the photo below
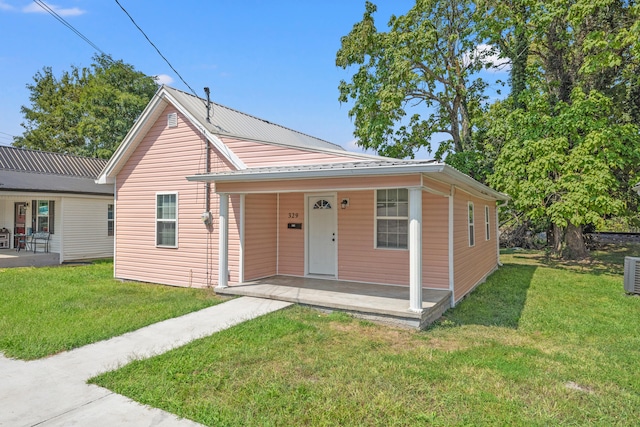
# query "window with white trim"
(472, 234)
(392, 218)
(167, 220)
(110, 224)
(487, 226)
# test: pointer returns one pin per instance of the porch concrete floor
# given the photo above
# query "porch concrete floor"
(371, 301)
(24, 258)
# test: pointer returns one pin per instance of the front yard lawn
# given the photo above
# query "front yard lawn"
(47, 310)
(539, 343)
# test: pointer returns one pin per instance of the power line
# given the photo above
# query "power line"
(53, 13)
(156, 48)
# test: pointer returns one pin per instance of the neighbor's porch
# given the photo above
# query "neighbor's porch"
(371, 301)
(12, 258)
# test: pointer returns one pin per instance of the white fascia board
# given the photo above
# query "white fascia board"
(213, 139)
(131, 140)
(320, 173)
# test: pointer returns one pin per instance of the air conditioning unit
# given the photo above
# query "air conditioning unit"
(632, 275)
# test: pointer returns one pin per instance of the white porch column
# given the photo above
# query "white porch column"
(415, 250)
(223, 242)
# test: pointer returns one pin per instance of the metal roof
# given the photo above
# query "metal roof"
(11, 180)
(322, 169)
(42, 162)
(225, 121)
(444, 173)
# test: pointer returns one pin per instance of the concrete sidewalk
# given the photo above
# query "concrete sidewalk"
(53, 391)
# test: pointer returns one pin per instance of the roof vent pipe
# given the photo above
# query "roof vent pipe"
(206, 90)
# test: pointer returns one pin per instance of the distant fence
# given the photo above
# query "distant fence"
(607, 237)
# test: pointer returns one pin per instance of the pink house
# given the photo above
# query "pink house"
(209, 196)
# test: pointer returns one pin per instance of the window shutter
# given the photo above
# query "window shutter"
(34, 215)
(52, 215)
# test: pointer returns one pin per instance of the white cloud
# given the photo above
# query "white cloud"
(163, 79)
(72, 11)
(488, 54)
(5, 6)
(353, 146)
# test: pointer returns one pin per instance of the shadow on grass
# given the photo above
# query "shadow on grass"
(608, 259)
(497, 302)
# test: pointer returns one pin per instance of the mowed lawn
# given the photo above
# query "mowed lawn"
(47, 310)
(540, 343)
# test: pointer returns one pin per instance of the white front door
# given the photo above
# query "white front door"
(321, 236)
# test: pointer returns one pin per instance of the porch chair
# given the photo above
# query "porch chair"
(21, 242)
(41, 238)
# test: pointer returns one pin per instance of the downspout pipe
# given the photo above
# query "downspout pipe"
(498, 206)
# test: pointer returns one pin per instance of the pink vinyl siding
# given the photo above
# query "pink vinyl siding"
(291, 251)
(358, 259)
(472, 264)
(257, 154)
(260, 236)
(435, 241)
(159, 164)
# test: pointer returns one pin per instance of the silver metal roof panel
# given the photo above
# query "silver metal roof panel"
(24, 160)
(231, 123)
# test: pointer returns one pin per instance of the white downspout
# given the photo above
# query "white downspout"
(277, 234)
(451, 196)
(504, 203)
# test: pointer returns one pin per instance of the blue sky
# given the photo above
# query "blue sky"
(274, 59)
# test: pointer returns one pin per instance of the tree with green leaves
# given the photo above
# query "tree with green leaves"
(416, 80)
(86, 111)
(571, 143)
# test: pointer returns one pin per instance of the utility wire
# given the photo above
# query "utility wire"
(156, 48)
(53, 13)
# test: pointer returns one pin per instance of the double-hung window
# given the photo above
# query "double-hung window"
(472, 233)
(487, 224)
(392, 218)
(110, 224)
(167, 220)
(42, 215)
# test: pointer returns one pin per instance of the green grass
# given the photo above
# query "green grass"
(47, 310)
(540, 343)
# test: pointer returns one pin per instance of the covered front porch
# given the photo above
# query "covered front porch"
(386, 303)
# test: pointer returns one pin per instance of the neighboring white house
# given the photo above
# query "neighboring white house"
(636, 188)
(56, 193)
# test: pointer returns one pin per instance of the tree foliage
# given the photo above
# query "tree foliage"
(86, 111)
(565, 144)
(429, 58)
(571, 143)
(562, 163)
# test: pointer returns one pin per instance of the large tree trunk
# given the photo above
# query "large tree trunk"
(576, 247)
(554, 239)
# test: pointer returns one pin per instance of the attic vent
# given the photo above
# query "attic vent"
(172, 120)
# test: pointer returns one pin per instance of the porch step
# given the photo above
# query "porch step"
(365, 304)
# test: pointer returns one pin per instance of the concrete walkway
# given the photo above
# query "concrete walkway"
(53, 391)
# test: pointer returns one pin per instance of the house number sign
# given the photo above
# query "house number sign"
(293, 214)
